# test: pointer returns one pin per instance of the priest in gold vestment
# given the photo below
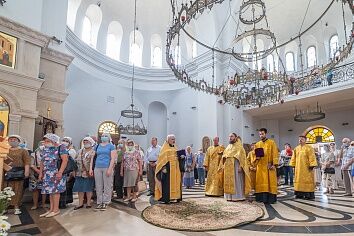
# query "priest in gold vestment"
(304, 161)
(237, 180)
(214, 183)
(251, 160)
(168, 185)
(266, 188)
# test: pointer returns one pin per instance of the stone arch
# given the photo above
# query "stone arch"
(11, 100)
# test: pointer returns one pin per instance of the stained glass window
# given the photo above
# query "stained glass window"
(319, 135)
(108, 127)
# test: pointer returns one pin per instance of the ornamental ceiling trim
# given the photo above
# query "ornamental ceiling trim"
(23, 32)
(57, 56)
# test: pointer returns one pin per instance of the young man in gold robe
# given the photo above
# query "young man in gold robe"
(214, 183)
(304, 161)
(237, 180)
(168, 186)
(251, 160)
(266, 187)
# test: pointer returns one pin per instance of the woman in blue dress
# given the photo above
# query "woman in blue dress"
(54, 182)
(188, 177)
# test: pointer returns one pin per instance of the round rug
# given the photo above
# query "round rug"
(204, 214)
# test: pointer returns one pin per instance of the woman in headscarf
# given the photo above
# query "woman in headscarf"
(84, 181)
(67, 196)
(54, 181)
(188, 177)
(131, 170)
(35, 186)
(19, 159)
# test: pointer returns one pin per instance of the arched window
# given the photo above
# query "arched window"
(4, 117)
(319, 134)
(111, 128)
(178, 55)
(157, 57)
(136, 48)
(135, 55)
(86, 30)
(270, 63)
(156, 51)
(73, 5)
(114, 39)
(91, 25)
(311, 56)
(290, 62)
(194, 49)
(333, 46)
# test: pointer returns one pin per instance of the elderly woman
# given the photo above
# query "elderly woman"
(35, 186)
(102, 167)
(188, 177)
(118, 179)
(67, 196)
(19, 159)
(131, 170)
(327, 167)
(54, 182)
(84, 182)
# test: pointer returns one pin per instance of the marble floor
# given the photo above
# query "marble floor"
(326, 215)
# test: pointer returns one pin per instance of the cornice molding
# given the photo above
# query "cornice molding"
(56, 56)
(52, 95)
(19, 80)
(113, 67)
(119, 72)
(23, 32)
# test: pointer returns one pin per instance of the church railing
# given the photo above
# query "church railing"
(317, 79)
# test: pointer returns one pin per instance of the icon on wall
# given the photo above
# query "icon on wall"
(7, 50)
(4, 117)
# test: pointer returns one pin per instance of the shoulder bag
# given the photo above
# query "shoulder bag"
(15, 174)
(71, 165)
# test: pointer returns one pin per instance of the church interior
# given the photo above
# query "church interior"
(272, 78)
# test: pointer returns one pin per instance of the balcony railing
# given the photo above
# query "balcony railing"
(316, 79)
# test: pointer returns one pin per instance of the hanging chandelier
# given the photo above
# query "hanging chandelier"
(256, 86)
(133, 117)
(309, 114)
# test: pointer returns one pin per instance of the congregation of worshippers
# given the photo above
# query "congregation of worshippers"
(101, 170)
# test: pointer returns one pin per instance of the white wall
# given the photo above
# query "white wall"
(28, 13)
(157, 121)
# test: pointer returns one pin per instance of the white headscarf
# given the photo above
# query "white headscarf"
(52, 137)
(90, 140)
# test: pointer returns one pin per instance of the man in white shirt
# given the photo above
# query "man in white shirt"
(152, 153)
(347, 154)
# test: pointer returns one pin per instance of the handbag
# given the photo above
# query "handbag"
(329, 170)
(141, 186)
(15, 174)
(353, 172)
(71, 165)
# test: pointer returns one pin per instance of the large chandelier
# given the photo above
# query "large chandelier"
(256, 86)
(133, 117)
(309, 114)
